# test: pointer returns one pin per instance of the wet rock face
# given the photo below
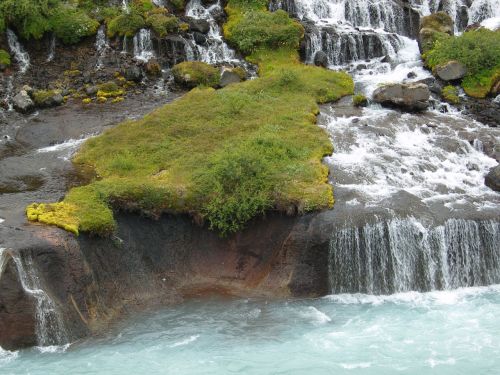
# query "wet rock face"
(22, 102)
(492, 179)
(412, 97)
(451, 71)
(17, 311)
(321, 59)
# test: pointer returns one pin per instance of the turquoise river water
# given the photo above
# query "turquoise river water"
(446, 332)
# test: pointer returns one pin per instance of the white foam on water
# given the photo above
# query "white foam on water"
(491, 23)
(7, 356)
(66, 149)
(353, 366)
(315, 315)
(439, 362)
(1, 220)
(50, 349)
(187, 341)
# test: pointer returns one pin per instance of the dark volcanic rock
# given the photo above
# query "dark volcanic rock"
(133, 73)
(492, 179)
(412, 96)
(321, 59)
(199, 25)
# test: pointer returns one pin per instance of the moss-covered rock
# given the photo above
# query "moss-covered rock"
(163, 24)
(109, 90)
(126, 24)
(434, 27)
(47, 98)
(70, 25)
(450, 94)
(5, 60)
(359, 100)
(195, 73)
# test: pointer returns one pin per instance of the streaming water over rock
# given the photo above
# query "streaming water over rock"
(52, 48)
(143, 45)
(50, 329)
(17, 50)
(101, 45)
(213, 49)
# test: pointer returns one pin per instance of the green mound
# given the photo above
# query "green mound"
(223, 156)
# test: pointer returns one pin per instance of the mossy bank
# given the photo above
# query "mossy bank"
(221, 156)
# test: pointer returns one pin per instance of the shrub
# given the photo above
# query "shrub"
(142, 6)
(196, 73)
(257, 29)
(359, 100)
(478, 50)
(4, 58)
(126, 24)
(162, 24)
(28, 17)
(450, 94)
(70, 25)
(178, 5)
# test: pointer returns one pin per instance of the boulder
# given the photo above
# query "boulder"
(47, 98)
(91, 90)
(200, 25)
(22, 102)
(451, 71)
(431, 27)
(492, 179)
(133, 73)
(321, 59)
(411, 96)
(153, 68)
(229, 76)
(199, 38)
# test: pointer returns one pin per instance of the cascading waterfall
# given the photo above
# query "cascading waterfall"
(214, 50)
(3, 260)
(401, 255)
(20, 55)
(143, 45)
(50, 329)
(52, 48)
(101, 46)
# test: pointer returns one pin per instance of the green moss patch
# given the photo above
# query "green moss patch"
(163, 24)
(450, 94)
(4, 58)
(224, 156)
(70, 25)
(196, 73)
(126, 24)
(478, 50)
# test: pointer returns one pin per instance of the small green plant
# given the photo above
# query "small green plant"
(196, 73)
(109, 90)
(450, 94)
(4, 58)
(162, 24)
(359, 100)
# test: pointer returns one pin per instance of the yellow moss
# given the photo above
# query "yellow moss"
(59, 214)
(110, 94)
(72, 73)
(102, 99)
(118, 99)
(87, 101)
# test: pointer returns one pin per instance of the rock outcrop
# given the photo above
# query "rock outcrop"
(411, 96)
(451, 71)
(22, 102)
(492, 179)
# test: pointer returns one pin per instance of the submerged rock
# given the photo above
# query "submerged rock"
(412, 96)
(22, 102)
(492, 179)
(451, 71)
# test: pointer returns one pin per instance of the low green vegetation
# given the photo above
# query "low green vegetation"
(41, 97)
(359, 100)
(450, 94)
(126, 24)
(196, 73)
(162, 24)
(434, 27)
(223, 156)
(70, 25)
(4, 58)
(478, 50)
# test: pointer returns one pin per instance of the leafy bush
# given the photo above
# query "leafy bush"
(162, 24)
(450, 94)
(478, 50)
(4, 58)
(28, 17)
(178, 5)
(196, 73)
(257, 29)
(70, 25)
(142, 6)
(126, 24)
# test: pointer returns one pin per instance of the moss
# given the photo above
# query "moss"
(102, 99)
(4, 58)
(478, 50)
(109, 90)
(223, 155)
(87, 101)
(450, 94)
(162, 24)
(142, 6)
(196, 73)
(41, 97)
(72, 73)
(178, 5)
(118, 100)
(70, 25)
(126, 24)
(359, 100)
(440, 22)
(59, 214)
(240, 72)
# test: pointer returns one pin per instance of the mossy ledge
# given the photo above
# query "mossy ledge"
(222, 156)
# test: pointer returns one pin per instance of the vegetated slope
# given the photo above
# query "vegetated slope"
(223, 156)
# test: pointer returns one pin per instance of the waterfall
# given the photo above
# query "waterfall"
(3, 260)
(52, 48)
(215, 49)
(143, 45)
(125, 6)
(101, 46)
(20, 55)
(50, 329)
(402, 255)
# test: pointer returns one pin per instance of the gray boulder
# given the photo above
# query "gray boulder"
(451, 71)
(200, 25)
(91, 90)
(229, 76)
(492, 179)
(321, 59)
(411, 96)
(22, 102)
(133, 73)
